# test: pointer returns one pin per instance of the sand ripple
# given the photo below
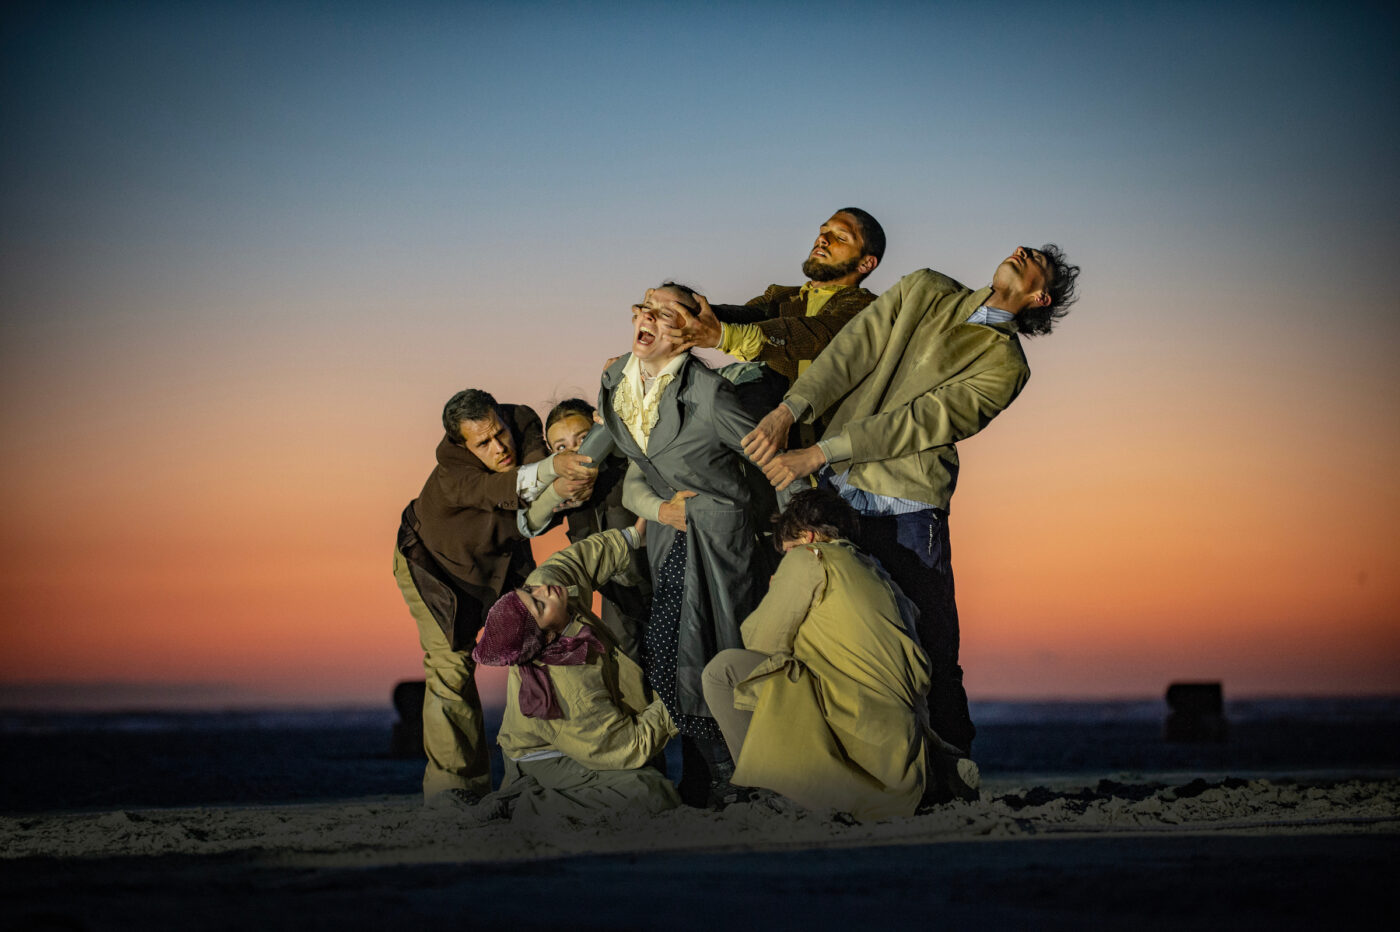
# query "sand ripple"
(397, 830)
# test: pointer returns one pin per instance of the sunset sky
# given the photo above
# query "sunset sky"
(247, 250)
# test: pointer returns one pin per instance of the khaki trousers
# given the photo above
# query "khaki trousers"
(454, 728)
(722, 674)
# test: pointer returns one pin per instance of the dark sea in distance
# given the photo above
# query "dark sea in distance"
(67, 760)
(991, 713)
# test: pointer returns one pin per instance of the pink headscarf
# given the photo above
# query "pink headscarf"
(511, 638)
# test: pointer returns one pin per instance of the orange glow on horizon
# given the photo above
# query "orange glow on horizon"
(1098, 549)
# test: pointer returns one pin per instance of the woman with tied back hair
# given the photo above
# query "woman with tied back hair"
(578, 728)
(827, 702)
(626, 597)
(682, 426)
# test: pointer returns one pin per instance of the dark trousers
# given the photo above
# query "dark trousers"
(914, 550)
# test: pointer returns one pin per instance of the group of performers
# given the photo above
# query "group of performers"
(769, 540)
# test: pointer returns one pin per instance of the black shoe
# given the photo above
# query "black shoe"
(951, 778)
(777, 802)
(723, 793)
(454, 798)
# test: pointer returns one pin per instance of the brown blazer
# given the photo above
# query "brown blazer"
(789, 335)
(466, 512)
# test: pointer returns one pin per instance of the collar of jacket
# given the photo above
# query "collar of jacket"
(452, 451)
(612, 375)
(976, 299)
(668, 422)
(810, 287)
(784, 293)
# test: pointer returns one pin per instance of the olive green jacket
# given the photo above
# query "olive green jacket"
(908, 378)
(840, 714)
(607, 721)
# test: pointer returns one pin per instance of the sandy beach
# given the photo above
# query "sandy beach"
(1254, 833)
(1239, 853)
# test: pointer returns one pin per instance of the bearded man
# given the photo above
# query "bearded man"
(787, 326)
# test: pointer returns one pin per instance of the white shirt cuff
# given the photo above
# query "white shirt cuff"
(527, 482)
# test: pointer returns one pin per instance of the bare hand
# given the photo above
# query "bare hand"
(574, 491)
(786, 468)
(606, 366)
(574, 466)
(673, 512)
(640, 529)
(763, 442)
(691, 328)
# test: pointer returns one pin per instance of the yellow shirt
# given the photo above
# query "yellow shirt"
(745, 341)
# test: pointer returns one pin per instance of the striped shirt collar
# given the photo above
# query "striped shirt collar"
(990, 316)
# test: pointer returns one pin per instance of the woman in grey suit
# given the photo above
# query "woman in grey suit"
(682, 426)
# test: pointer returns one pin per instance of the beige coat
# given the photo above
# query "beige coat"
(607, 722)
(920, 378)
(839, 709)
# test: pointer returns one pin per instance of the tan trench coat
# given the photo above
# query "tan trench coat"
(839, 716)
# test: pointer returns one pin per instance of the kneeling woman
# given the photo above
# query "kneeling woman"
(827, 703)
(578, 731)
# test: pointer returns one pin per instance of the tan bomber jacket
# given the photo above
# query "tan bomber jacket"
(908, 378)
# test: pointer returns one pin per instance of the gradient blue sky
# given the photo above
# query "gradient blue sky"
(248, 249)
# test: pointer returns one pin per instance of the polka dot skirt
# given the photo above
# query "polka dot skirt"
(662, 639)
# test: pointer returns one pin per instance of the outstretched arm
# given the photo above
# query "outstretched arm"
(949, 413)
(586, 564)
(538, 516)
(597, 446)
(786, 468)
(729, 328)
(795, 339)
(481, 488)
(852, 353)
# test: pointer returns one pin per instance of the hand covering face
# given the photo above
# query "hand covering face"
(511, 638)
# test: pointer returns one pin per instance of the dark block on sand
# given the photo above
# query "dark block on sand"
(1196, 713)
(407, 739)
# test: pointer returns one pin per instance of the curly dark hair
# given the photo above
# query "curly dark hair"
(470, 404)
(1061, 284)
(820, 511)
(567, 408)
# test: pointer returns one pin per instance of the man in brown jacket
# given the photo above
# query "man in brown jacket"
(930, 363)
(459, 547)
(787, 326)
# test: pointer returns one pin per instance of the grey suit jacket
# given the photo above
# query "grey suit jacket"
(697, 445)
